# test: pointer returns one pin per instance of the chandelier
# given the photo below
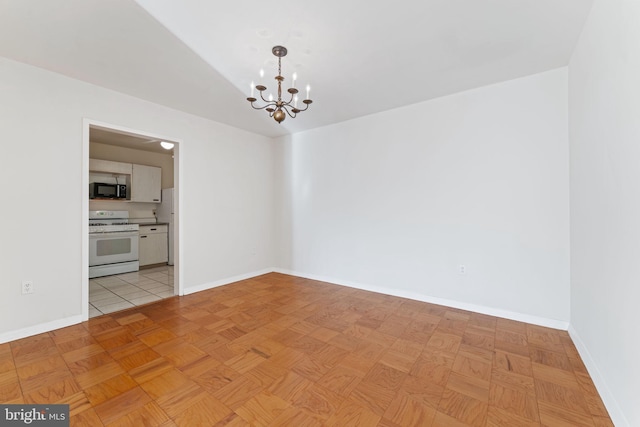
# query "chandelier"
(277, 107)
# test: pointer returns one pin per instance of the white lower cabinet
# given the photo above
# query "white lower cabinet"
(153, 246)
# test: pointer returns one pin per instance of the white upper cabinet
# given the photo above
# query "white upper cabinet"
(107, 166)
(146, 183)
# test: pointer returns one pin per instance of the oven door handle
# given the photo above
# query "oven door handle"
(113, 234)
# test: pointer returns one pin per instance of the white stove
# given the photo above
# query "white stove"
(113, 243)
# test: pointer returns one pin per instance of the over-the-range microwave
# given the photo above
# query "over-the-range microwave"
(101, 190)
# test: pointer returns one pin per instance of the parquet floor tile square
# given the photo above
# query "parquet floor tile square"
(294, 417)
(121, 405)
(432, 370)
(422, 390)
(406, 411)
(552, 416)
(352, 414)
(472, 367)
(498, 417)
(443, 341)
(398, 360)
(319, 401)
(237, 392)
(513, 380)
(279, 350)
(88, 418)
(372, 396)
(514, 402)
(9, 386)
(78, 403)
(109, 388)
(385, 376)
(148, 415)
(464, 408)
(290, 386)
(150, 370)
(54, 392)
(266, 373)
(511, 362)
(341, 379)
(176, 403)
(262, 409)
(561, 396)
(474, 387)
(202, 412)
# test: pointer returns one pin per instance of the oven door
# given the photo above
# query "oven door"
(112, 248)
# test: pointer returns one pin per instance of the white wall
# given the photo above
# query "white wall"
(226, 183)
(604, 123)
(396, 201)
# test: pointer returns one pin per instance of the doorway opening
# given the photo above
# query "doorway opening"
(136, 185)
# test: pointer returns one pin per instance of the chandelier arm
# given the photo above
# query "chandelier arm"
(262, 108)
(293, 116)
(306, 106)
(290, 99)
(265, 100)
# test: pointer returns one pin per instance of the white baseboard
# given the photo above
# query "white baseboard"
(616, 414)
(222, 282)
(505, 314)
(40, 328)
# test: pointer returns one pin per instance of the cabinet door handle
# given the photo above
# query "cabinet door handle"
(153, 229)
(143, 237)
(156, 200)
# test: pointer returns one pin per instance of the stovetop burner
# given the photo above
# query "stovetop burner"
(110, 222)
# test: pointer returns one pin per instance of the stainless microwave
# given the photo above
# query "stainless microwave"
(101, 190)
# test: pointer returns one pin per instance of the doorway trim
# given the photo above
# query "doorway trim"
(87, 123)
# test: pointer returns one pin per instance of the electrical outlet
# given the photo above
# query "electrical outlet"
(27, 287)
(462, 269)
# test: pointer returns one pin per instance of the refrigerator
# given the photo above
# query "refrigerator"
(165, 213)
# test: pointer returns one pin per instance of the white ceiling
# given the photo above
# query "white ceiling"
(360, 57)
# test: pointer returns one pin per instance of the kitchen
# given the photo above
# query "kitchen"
(131, 229)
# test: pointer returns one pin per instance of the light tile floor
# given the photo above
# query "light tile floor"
(113, 293)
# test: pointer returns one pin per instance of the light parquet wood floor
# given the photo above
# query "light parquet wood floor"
(278, 350)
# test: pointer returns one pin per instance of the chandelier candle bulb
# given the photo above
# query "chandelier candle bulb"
(293, 79)
(252, 88)
(308, 90)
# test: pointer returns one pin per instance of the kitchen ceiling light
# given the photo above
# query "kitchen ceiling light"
(277, 108)
(166, 145)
